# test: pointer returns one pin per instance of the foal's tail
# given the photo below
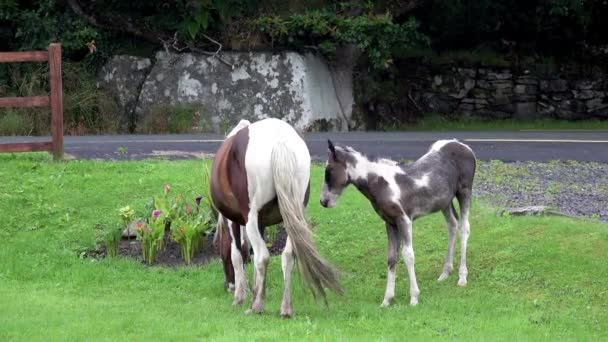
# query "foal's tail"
(316, 271)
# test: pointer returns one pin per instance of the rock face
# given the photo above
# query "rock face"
(123, 77)
(294, 87)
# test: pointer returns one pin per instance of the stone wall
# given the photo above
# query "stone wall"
(298, 88)
(540, 92)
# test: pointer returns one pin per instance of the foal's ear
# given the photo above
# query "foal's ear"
(332, 149)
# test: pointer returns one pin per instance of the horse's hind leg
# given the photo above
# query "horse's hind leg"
(260, 260)
(287, 261)
(452, 225)
(464, 199)
(392, 258)
(240, 280)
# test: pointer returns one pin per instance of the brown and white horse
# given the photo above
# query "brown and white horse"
(260, 177)
(402, 194)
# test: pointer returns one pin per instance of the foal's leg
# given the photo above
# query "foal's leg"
(240, 279)
(404, 224)
(393, 246)
(287, 260)
(464, 198)
(452, 225)
(260, 258)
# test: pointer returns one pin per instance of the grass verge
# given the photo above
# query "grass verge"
(529, 277)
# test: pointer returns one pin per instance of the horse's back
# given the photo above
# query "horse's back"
(264, 137)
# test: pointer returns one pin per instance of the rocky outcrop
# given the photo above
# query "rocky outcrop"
(294, 87)
(123, 76)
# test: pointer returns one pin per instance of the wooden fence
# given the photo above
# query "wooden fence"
(54, 100)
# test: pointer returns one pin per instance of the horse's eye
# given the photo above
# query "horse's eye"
(328, 176)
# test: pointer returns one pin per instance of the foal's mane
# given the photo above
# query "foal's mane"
(374, 159)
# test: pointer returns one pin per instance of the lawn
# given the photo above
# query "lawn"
(529, 277)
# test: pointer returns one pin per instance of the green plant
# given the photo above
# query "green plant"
(111, 238)
(188, 231)
(172, 119)
(12, 123)
(151, 235)
(377, 35)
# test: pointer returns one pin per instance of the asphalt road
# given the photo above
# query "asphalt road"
(505, 146)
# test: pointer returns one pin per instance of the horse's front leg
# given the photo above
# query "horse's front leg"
(404, 225)
(261, 256)
(393, 246)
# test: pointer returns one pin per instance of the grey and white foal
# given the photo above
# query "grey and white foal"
(400, 194)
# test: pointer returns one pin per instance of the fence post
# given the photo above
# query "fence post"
(56, 99)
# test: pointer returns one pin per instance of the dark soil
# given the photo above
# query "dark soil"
(170, 255)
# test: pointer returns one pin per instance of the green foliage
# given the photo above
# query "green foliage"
(189, 222)
(183, 118)
(151, 235)
(87, 109)
(199, 16)
(12, 123)
(112, 235)
(42, 22)
(188, 231)
(376, 35)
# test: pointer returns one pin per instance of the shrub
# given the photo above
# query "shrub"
(183, 118)
(13, 123)
(151, 235)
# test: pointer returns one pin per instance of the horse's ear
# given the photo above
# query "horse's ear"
(332, 149)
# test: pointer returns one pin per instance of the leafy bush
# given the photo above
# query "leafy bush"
(182, 118)
(376, 35)
(13, 123)
(151, 235)
(86, 109)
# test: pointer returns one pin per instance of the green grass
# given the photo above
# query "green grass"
(530, 278)
(435, 122)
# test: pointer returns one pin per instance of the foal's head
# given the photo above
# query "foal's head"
(336, 174)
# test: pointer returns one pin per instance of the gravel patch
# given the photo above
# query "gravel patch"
(572, 188)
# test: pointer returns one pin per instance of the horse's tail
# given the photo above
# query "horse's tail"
(318, 273)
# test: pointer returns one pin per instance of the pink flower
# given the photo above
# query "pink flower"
(156, 213)
(167, 188)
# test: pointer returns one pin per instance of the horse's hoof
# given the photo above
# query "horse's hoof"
(230, 287)
(286, 313)
(443, 276)
(255, 308)
(238, 300)
(462, 282)
(386, 303)
(414, 301)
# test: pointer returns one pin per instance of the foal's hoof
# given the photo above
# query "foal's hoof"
(414, 301)
(238, 300)
(256, 308)
(385, 303)
(286, 313)
(443, 276)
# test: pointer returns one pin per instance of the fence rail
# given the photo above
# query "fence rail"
(54, 100)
